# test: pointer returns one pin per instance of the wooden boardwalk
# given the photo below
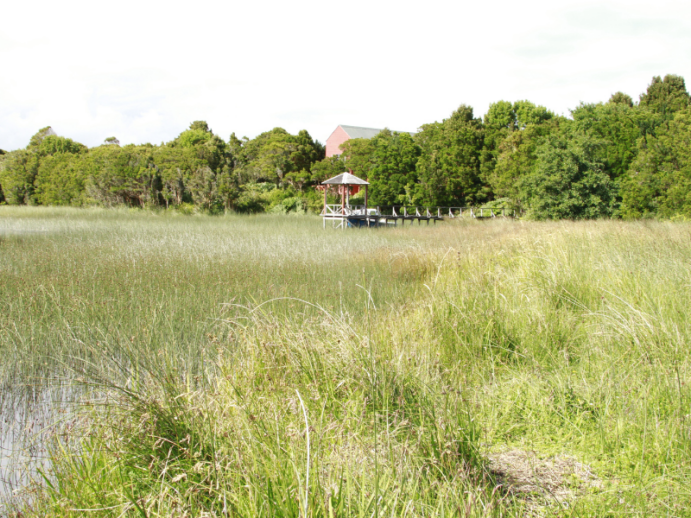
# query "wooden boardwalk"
(383, 216)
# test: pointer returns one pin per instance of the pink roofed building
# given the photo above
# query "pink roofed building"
(343, 133)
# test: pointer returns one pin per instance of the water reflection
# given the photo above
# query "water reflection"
(30, 417)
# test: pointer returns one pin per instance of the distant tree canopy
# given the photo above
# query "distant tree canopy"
(616, 158)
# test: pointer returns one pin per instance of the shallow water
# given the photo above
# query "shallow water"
(29, 417)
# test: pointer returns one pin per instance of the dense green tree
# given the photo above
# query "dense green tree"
(61, 180)
(203, 186)
(267, 157)
(235, 150)
(298, 179)
(517, 156)
(17, 174)
(228, 188)
(208, 146)
(501, 121)
(567, 180)
(38, 137)
(272, 155)
(666, 96)
(327, 168)
(122, 175)
(307, 152)
(529, 113)
(618, 126)
(175, 165)
(358, 154)
(449, 164)
(621, 98)
(658, 182)
(393, 175)
(53, 144)
(201, 126)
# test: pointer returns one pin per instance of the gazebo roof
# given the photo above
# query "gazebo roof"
(345, 179)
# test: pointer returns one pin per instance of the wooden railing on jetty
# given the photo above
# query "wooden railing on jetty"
(384, 215)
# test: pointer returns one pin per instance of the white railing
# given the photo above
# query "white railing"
(338, 211)
(402, 211)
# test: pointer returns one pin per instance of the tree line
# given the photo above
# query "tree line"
(619, 158)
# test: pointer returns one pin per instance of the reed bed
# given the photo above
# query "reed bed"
(260, 366)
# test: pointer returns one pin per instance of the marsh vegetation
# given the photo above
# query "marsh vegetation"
(259, 366)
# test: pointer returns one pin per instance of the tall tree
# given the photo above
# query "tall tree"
(19, 171)
(516, 160)
(122, 175)
(208, 146)
(61, 179)
(38, 137)
(449, 164)
(658, 182)
(499, 123)
(175, 166)
(358, 154)
(568, 181)
(272, 155)
(53, 144)
(327, 168)
(501, 120)
(17, 174)
(618, 126)
(666, 96)
(203, 186)
(393, 175)
(621, 98)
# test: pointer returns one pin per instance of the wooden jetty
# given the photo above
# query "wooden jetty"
(344, 215)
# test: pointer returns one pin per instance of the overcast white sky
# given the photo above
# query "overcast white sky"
(142, 70)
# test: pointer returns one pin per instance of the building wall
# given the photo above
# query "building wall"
(338, 137)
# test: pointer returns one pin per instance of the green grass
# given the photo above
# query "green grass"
(75, 279)
(419, 364)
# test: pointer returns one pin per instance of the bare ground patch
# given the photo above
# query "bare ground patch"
(542, 483)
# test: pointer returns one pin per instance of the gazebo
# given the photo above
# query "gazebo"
(344, 212)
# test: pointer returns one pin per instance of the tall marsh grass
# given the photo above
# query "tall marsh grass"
(264, 367)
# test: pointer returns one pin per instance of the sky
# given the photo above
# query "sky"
(143, 70)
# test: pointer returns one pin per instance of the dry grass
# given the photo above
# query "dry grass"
(542, 483)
